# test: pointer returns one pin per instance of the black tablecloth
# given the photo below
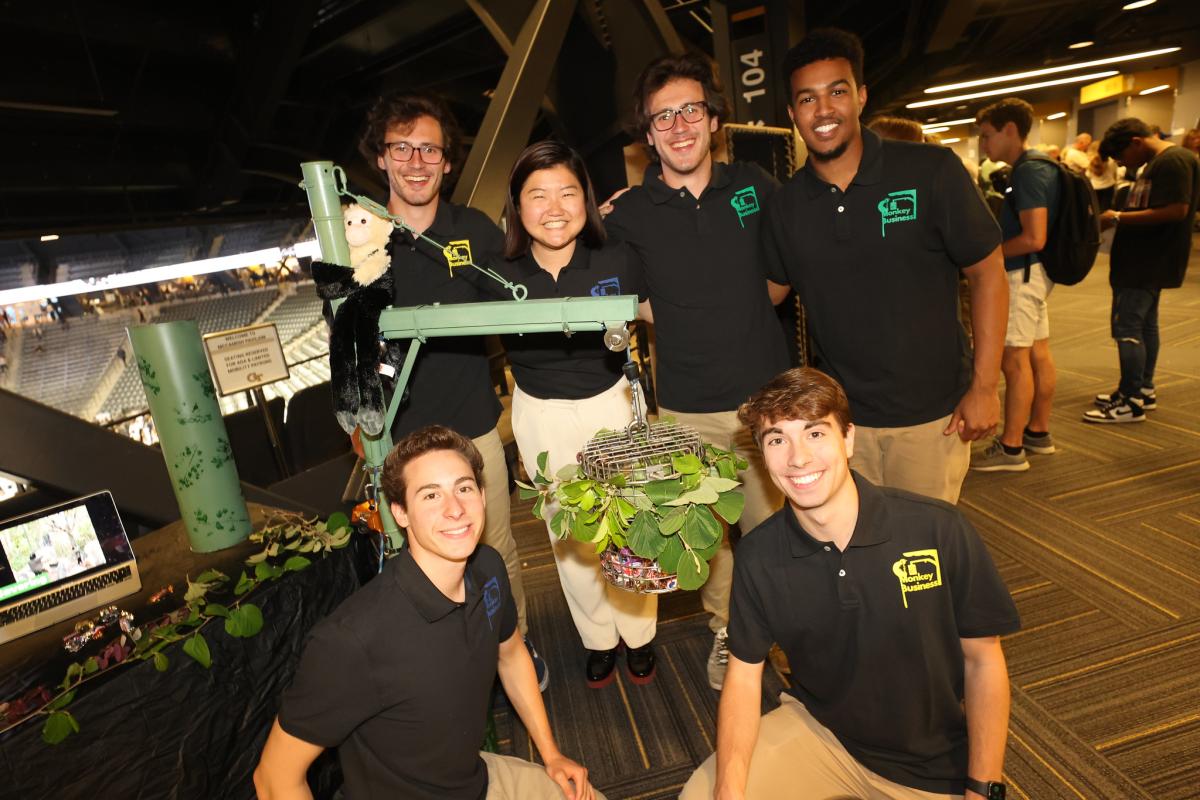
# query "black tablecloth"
(189, 732)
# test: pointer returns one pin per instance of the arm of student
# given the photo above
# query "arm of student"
(1172, 212)
(978, 412)
(737, 726)
(281, 770)
(986, 699)
(1032, 238)
(520, 684)
(645, 311)
(777, 291)
(606, 207)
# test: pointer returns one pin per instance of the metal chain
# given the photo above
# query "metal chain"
(519, 291)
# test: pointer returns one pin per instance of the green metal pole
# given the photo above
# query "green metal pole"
(183, 403)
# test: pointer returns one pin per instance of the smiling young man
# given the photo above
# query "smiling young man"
(874, 235)
(415, 141)
(399, 678)
(694, 224)
(889, 609)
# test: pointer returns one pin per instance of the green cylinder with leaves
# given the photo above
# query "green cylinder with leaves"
(183, 402)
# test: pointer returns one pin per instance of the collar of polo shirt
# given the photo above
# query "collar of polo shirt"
(429, 602)
(870, 168)
(660, 192)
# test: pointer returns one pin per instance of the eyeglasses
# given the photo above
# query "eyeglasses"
(403, 151)
(691, 112)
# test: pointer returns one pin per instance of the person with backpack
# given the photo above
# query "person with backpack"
(1029, 211)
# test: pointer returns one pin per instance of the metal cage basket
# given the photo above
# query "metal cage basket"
(626, 570)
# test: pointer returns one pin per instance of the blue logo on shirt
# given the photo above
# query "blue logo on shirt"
(606, 287)
(491, 599)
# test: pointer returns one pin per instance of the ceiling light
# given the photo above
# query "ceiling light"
(50, 237)
(963, 121)
(951, 141)
(1034, 73)
(1154, 89)
(1080, 45)
(1059, 115)
(1014, 89)
(1137, 4)
(936, 129)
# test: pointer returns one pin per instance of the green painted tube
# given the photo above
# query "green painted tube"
(320, 183)
(183, 403)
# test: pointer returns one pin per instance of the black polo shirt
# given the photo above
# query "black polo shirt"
(872, 633)
(718, 339)
(450, 384)
(554, 366)
(877, 267)
(399, 679)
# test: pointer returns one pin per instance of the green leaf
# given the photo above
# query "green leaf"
(729, 506)
(568, 472)
(216, 610)
(691, 481)
(543, 461)
(625, 508)
(245, 583)
(702, 495)
(668, 559)
(527, 492)
(335, 521)
(296, 563)
(663, 491)
(195, 591)
(644, 538)
(265, 572)
(59, 726)
(672, 521)
(725, 469)
(574, 490)
(707, 553)
(641, 502)
(62, 701)
(582, 529)
(700, 528)
(212, 576)
(686, 464)
(559, 524)
(692, 572)
(73, 672)
(161, 662)
(617, 480)
(587, 500)
(257, 557)
(720, 484)
(90, 666)
(196, 647)
(244, 621)
(539, 506)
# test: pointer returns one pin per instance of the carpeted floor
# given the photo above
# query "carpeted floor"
(1099, 545)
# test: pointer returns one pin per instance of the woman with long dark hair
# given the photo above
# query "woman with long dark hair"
(567, 389)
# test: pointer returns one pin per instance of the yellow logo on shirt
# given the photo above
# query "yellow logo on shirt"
(918, 570)
(458, 254)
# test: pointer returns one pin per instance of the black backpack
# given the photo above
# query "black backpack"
(1074, 239)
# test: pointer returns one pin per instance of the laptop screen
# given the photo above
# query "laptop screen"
(60, 544)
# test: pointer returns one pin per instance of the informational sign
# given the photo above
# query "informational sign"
(245, 358)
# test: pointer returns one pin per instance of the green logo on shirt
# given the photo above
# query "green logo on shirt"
(745, 203)
(898, 206)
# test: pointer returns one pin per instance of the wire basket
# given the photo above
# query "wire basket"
(626, 570)
(642, 453)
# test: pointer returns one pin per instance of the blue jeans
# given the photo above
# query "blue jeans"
(1135, 327)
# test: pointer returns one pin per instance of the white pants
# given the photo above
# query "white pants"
(603, 614)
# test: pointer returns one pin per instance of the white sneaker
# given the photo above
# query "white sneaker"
(718, 659)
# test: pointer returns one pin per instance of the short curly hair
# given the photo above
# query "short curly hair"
(799, 393)
(660, 72)
(821, 44)
(1010, 109)
(418, 443)
(403, 108)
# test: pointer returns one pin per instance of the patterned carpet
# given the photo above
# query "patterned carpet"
(1099, 545)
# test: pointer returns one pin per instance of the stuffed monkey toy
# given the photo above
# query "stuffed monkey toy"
(354, 346)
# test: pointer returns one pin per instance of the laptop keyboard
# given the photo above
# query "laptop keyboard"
(64, 595)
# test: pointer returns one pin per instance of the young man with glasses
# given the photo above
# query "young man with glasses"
(694, 223)
(414, 140)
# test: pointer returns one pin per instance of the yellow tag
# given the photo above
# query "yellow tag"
(458, 254)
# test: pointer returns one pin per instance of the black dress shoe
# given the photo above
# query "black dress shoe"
(600, 664)
(640, 662)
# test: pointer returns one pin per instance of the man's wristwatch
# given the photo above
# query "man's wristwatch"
(1116, 217)
(992, 790)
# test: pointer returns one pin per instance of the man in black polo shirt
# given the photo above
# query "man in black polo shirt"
(694, 223)
(889, 609)
(874, 234)
(399, 678)
(415, 141)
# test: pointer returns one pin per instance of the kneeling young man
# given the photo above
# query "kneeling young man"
(889, 609)
(399, 678)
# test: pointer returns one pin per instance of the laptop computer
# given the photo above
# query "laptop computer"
(62, 561)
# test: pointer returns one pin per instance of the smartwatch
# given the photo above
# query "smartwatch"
(992, 790)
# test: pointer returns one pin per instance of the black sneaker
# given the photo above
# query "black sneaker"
(539, 667)
(1119, 409)
(1149, 399)
(600, 665)
(640, 662)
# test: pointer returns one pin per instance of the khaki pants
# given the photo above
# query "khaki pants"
(723, 429)
(516, 779)
(603, 614)
(917, 458)
(796, 756)
(497, 529)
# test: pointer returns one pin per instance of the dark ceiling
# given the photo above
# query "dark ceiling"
(119, 115)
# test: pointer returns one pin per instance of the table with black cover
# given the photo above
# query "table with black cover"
(188, 732)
